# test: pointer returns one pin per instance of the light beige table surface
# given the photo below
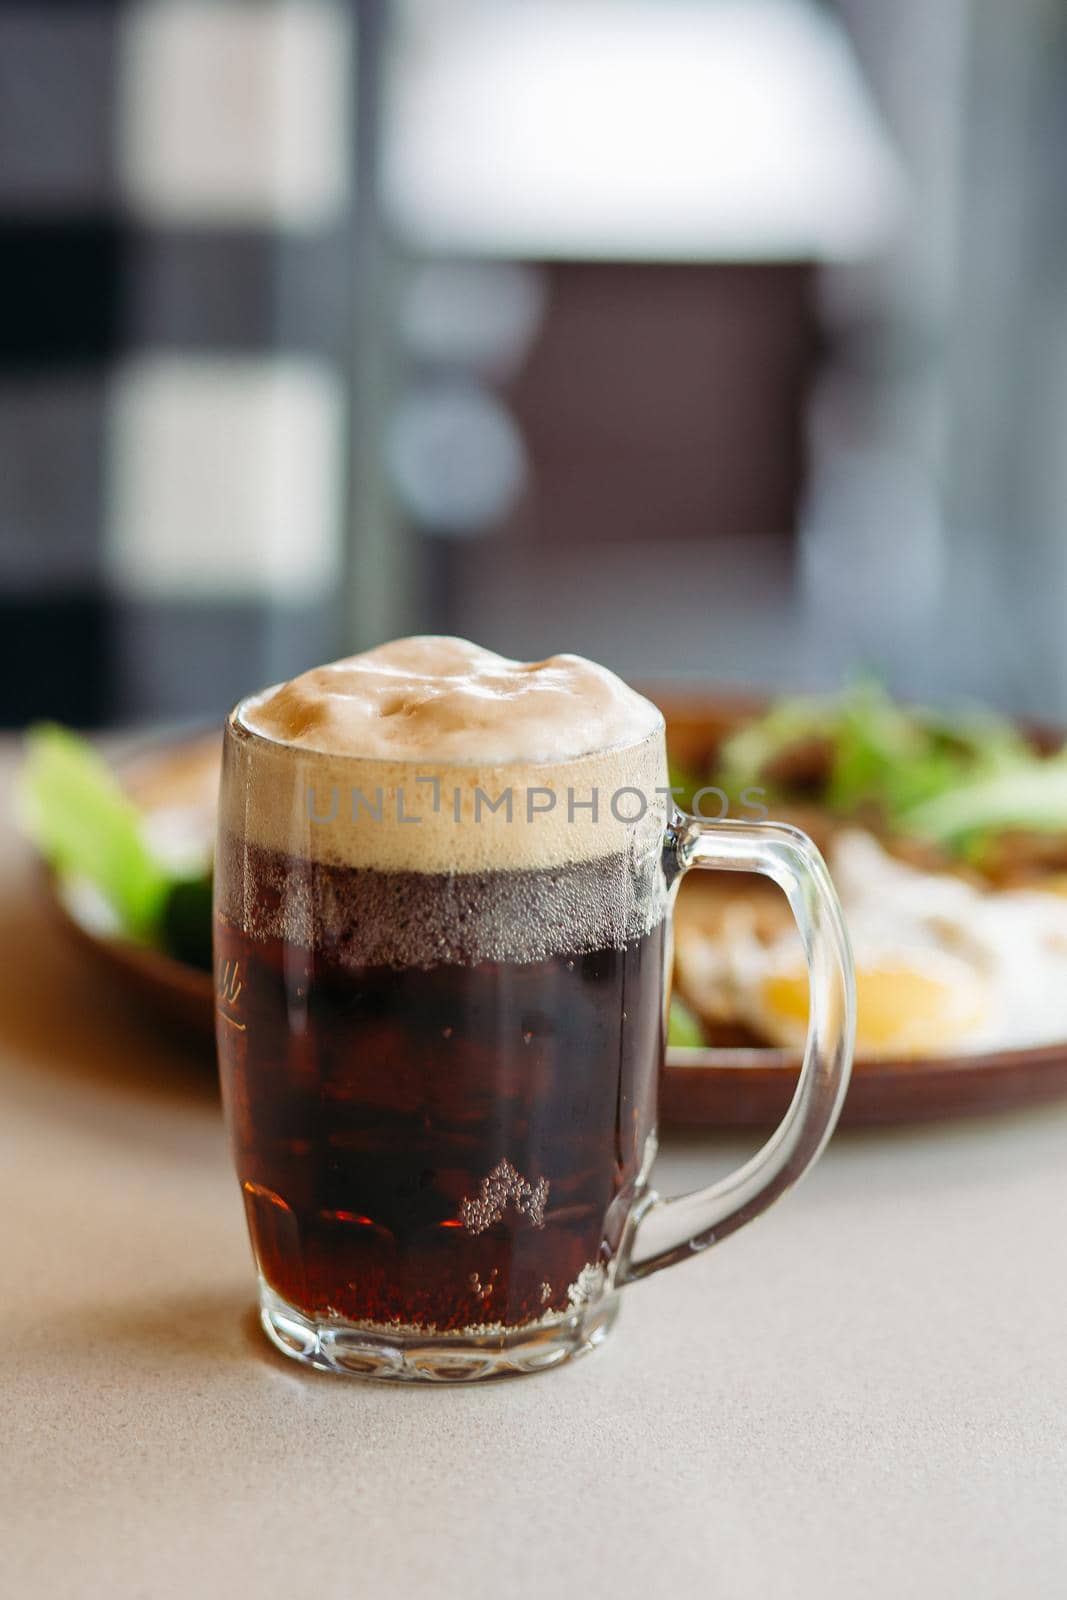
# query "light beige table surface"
(864, 1394)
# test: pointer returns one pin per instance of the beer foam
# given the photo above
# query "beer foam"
(442, 699)
(433, 755)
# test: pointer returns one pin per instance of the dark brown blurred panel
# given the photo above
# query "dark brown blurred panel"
(666, 401)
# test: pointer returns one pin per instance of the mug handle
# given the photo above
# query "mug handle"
(665, 1231)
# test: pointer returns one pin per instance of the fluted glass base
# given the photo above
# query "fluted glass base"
(417, 1356)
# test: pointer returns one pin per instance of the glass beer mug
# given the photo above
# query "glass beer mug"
(441, 988)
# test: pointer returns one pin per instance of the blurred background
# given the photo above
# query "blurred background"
(711, 338)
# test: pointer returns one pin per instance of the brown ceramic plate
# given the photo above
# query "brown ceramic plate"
(721, 1087)
(170, 990)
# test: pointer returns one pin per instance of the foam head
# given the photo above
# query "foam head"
(447, 700)
(339, 763)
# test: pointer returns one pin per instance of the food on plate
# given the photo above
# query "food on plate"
(934, 825)
(943, 965)
(962, 789)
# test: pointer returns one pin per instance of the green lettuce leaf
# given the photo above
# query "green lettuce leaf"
(72, 807)
(1030, 795)
(683, 1029)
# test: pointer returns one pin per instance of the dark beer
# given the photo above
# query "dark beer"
(440, 1086)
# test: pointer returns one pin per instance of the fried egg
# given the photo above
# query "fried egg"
(941, 966)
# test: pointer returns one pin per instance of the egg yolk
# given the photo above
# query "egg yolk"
(899, 1009)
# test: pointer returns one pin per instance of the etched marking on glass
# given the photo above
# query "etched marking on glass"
(228, 993)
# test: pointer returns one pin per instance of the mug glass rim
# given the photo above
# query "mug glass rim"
(239, 729)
